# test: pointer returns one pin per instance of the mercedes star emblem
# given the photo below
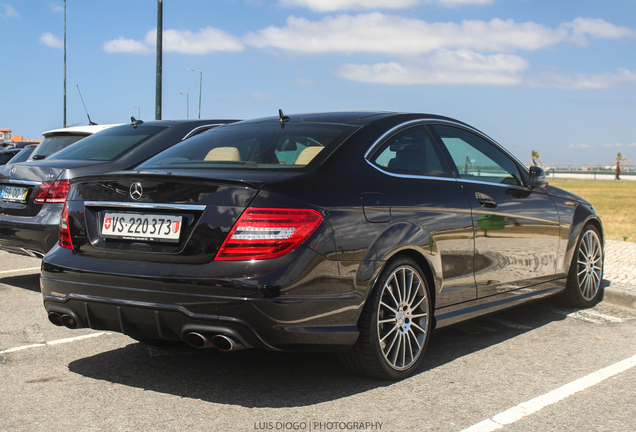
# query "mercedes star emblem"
(13, 170)
(136, 191)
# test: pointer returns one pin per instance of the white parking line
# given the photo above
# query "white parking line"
(19, 270)
(533, 405)
(53, 342)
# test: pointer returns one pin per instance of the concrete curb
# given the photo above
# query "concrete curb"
(622, 296)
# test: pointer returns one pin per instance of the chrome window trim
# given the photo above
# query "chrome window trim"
(380, 140)
(422, 177)
(24, 182)
(147, 206)
(208, 126)
(507, 186)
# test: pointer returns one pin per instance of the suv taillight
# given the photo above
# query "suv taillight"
(65, 230)
(51, 192)
(263, 233)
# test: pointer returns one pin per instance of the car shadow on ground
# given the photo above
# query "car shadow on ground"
(265, 379)
(29, 282)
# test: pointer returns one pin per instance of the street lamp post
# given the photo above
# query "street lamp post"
(64, 63)
(187, 104)
(200, 87)
(138, 111)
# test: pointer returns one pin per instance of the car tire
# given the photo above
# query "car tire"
(584, 287)
(394, 326)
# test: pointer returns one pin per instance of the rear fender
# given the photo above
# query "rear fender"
(402, 239)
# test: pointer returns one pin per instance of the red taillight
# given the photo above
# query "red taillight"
(262, 233)
(52, 192)
(65, 230)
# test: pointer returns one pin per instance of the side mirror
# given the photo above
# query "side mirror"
(537, 178)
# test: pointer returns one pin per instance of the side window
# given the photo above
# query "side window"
(476, 158)
(411, 152)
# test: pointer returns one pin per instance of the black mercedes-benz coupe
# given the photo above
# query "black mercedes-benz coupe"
(32, 194)
(357, 232)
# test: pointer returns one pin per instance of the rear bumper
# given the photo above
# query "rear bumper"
(29, 235)
(278, 311)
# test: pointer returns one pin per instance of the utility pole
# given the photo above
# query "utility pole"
(159, 59)
(64, 63)
(200, 87)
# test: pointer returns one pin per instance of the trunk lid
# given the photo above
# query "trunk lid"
(157, 217)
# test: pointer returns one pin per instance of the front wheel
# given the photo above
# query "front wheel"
(584, 287)
(394, 326)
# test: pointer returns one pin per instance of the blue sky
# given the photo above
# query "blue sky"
(558, 77)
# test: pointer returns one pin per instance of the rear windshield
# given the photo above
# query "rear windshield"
(254, 146)
(50, 145)
(108, 144)
(23, 155)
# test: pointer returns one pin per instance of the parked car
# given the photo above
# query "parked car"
(33, 193)
(57, 139)
(357, 232)
(7, 154)
(23, 154)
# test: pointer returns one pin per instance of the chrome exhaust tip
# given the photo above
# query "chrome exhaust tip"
(197, 340)
(225, 343)
(55, 319)
(68, 321)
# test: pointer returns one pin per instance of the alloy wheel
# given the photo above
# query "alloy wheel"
(403, 318)
(589, 265)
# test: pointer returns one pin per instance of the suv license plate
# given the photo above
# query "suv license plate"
(14, 193)
(145, 227)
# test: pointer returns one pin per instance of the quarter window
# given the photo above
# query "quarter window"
(476, 158)
(411, 152)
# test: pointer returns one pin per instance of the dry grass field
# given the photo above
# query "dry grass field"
(614, 201)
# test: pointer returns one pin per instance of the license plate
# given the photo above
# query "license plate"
(14, 193)
(144, 227)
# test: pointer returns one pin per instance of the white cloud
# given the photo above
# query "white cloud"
(50, 40)
(443, 67)
(305, 81)
(618, 145)
(9, 11)
(336, 5)
(598, 28)
(123, 45)
(582, 146)
(56, 7)
(621, 79)
(340, 5)
(455, 3)
(381, 33)
(204, 41)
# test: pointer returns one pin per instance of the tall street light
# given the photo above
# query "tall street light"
(200, 87)
(138, 111)
(187, 103)
(64, 63)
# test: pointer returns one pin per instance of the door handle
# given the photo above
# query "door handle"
(485, 200)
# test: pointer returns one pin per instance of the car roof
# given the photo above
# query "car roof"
(78, 130)
(346, 117)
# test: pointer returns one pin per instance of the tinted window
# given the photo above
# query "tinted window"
(476, 158)
(5, 157)
(411, 152)
(50, 145)
(253, 146)
(23, 155)
(107, 144)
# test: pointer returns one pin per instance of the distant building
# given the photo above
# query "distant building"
(8, 140)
